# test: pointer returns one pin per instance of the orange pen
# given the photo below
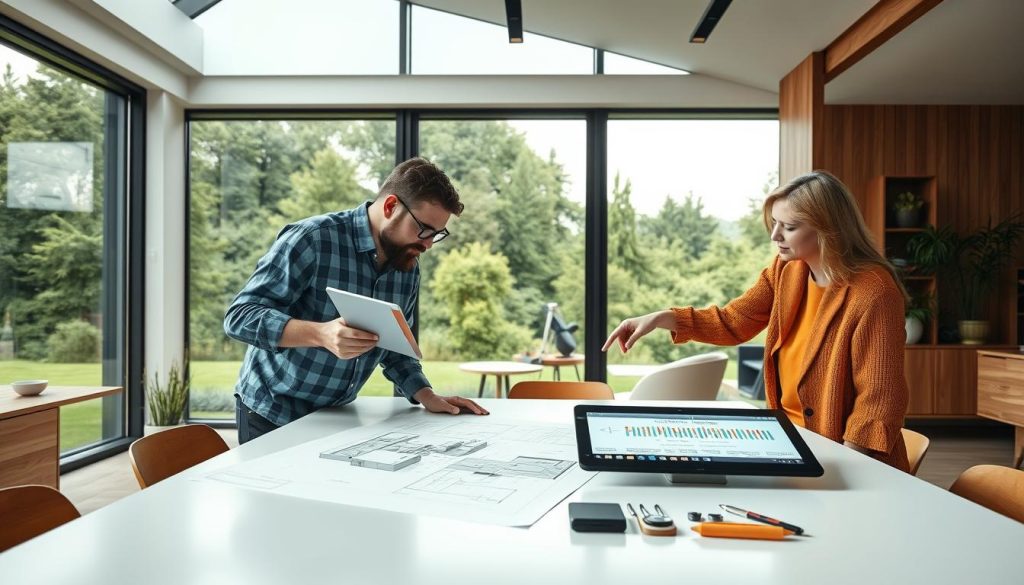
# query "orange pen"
(741, 530)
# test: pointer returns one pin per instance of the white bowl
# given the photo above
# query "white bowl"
(29, 387)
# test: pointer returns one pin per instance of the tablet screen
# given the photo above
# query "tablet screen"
(691, 440)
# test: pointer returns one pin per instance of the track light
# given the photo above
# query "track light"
(514, 14)
(707, 23)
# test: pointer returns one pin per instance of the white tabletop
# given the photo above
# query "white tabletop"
(870, 524)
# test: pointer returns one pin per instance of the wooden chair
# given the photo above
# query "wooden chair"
(29, 510)
(697, 377)
(998, 488)
(161, 455)
(917, 447)
(562, 390)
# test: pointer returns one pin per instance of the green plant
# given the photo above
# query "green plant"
(932, 249)
(907, 201)
(982, 257)
(166, 402)
(921, 306)
(74, 342)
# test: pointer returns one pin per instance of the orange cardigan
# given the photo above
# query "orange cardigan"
(851, 385)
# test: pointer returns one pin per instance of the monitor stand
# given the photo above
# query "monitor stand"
(701, 478)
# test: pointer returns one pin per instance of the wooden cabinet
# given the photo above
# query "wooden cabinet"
(30, 432)
(943, 380)
(1001, 392)
(28, 449)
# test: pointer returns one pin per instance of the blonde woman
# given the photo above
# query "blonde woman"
(833, 309)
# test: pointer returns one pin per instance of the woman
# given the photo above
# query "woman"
(833, 308)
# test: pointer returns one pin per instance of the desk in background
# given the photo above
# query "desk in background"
(1001, 393)
(30, 432)
(869, 523)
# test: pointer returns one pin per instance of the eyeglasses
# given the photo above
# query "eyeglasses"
(426, 231)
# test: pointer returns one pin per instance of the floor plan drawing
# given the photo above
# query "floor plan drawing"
(500, 471)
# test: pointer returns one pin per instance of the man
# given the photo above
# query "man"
(302, 357)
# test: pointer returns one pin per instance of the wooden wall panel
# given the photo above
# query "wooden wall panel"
(801, 118)
(976, 154)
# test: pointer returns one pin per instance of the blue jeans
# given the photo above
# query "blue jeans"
(250, 424)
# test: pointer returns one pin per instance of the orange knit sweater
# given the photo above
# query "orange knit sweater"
(851, 385)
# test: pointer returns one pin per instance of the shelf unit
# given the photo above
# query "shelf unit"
(891, 239)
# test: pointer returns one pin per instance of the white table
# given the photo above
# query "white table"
(870, 524)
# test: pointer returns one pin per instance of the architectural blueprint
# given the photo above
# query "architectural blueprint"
(499, 471)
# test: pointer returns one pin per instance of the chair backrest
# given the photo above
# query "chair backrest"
(697, 377)
(917, 446)
(161, 455)
(29, 510)
(1000, 489)
(562, 390)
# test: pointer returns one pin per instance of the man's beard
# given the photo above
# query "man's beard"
(399, 257)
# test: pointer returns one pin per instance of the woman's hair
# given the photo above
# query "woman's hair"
(824, 203)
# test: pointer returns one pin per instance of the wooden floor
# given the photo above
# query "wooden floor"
(94, 486)
(953, 449)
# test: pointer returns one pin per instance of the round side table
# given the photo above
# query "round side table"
(556, 361)
(501, 372)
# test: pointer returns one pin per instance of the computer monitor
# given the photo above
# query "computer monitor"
(701, 445)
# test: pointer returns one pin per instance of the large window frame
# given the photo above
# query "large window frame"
(127, 157)
(596, 189)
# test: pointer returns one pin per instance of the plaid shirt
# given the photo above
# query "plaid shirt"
(290, 281)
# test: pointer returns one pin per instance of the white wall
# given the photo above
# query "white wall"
(80, 32)
(494, 91)
(165, 232)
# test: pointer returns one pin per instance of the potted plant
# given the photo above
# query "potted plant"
(983, 256)
(932, 249)
(974, 263)
(166, 402)
(919, 310)
(908, 209)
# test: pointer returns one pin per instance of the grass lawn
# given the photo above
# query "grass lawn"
(80, 424)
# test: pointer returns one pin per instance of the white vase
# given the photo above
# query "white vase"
(915, 328)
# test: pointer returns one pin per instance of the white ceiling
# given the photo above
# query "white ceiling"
(962, 51)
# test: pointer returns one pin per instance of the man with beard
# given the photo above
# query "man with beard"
(301, 356)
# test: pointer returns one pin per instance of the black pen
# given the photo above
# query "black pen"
(759, 518)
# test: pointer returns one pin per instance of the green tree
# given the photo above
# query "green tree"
(623, 245)
(682, 226)
(473, 284)
(49, 106)
(329, 184)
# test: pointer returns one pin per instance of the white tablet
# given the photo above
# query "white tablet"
(382, 318)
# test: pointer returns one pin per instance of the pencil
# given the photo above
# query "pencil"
(740, 530)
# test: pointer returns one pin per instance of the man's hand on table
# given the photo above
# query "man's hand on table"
(447, 404)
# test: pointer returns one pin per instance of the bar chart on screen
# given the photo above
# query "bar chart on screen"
(758, 438)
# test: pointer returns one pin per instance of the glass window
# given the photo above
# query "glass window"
(615, 64)
(301, 37)
(684, 196)
(63, 242)
(517, 247)
(248, 179)
(446, 44)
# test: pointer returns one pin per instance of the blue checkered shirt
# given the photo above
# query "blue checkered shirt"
(290, 281)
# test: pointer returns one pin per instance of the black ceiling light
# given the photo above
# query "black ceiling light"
(707, 23)
(514, 13)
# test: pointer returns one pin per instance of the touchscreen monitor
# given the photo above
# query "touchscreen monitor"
(684, 440)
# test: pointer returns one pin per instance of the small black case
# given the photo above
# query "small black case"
(595, 517)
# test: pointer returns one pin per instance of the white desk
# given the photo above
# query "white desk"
(870, 524)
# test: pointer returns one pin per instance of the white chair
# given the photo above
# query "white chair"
(696, 377)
